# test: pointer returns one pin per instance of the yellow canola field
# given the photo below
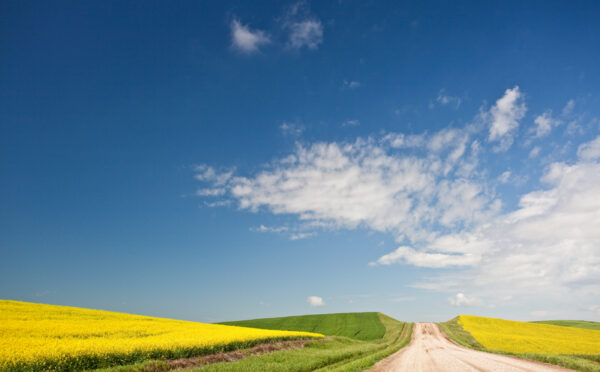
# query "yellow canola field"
(42, 337)
(522, 337)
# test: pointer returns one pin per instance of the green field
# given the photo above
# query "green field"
(572, 323)
(360, 326)
(585, 363)
(356, 350)
(354, 342)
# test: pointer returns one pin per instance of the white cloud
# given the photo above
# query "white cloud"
(219, 203)
(549, 245)
(429, 192)
(208, 174)
(293, 233)
(534, 152)
(375, 183)
(278, 229)
(573, 127)
(590, 150)
(345, 185)
(246, 40)
(315, 301)
(351, 123)
(568, 109)
(545, 123)
(301, 235)
(288, 128)
(399, 140)
(307, 33)
(409, 256)
(211, 191)
(350, 84)
(461, 300)
(504, 177)
(445, 99)
(504, 116)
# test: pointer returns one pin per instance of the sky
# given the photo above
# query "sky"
(230, 160)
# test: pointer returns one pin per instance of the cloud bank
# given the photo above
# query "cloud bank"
(432, 193)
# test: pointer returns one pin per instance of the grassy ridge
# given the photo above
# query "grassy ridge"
(572, 323)
(335, 353)
(360, 326)
(586, 363)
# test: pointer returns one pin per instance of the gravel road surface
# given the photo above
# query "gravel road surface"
(431, 351)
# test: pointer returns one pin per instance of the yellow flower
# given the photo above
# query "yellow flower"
(44, 337)
(523, 337)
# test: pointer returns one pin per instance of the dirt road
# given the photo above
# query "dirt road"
(431, 351)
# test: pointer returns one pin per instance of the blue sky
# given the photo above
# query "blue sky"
(230, 160)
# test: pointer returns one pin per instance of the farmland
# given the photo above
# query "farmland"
(333, 353)
(572, 323)
(352, 343)
(42, 337)
(571, 347)
(36, 337)
(360, 326)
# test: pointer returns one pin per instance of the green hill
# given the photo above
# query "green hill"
(360, 326)
(572, 323)
(354, 342)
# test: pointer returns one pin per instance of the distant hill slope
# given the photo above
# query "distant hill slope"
(572, 323)
(360, 326)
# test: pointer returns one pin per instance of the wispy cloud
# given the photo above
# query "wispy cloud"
(544, 124)
(503, 118)
(444, 99)
(432, 193)
(461, 300)
(568, 109)
(301, 235)
(590, 150)
(558, 226)
(351, 123)
(504, 177)
(308, 33)
(350, 84)
(247, 40)
(289, 128)
(305, 30)
(211, 191)
(218, 203)
(534, 152)
(263, 228)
